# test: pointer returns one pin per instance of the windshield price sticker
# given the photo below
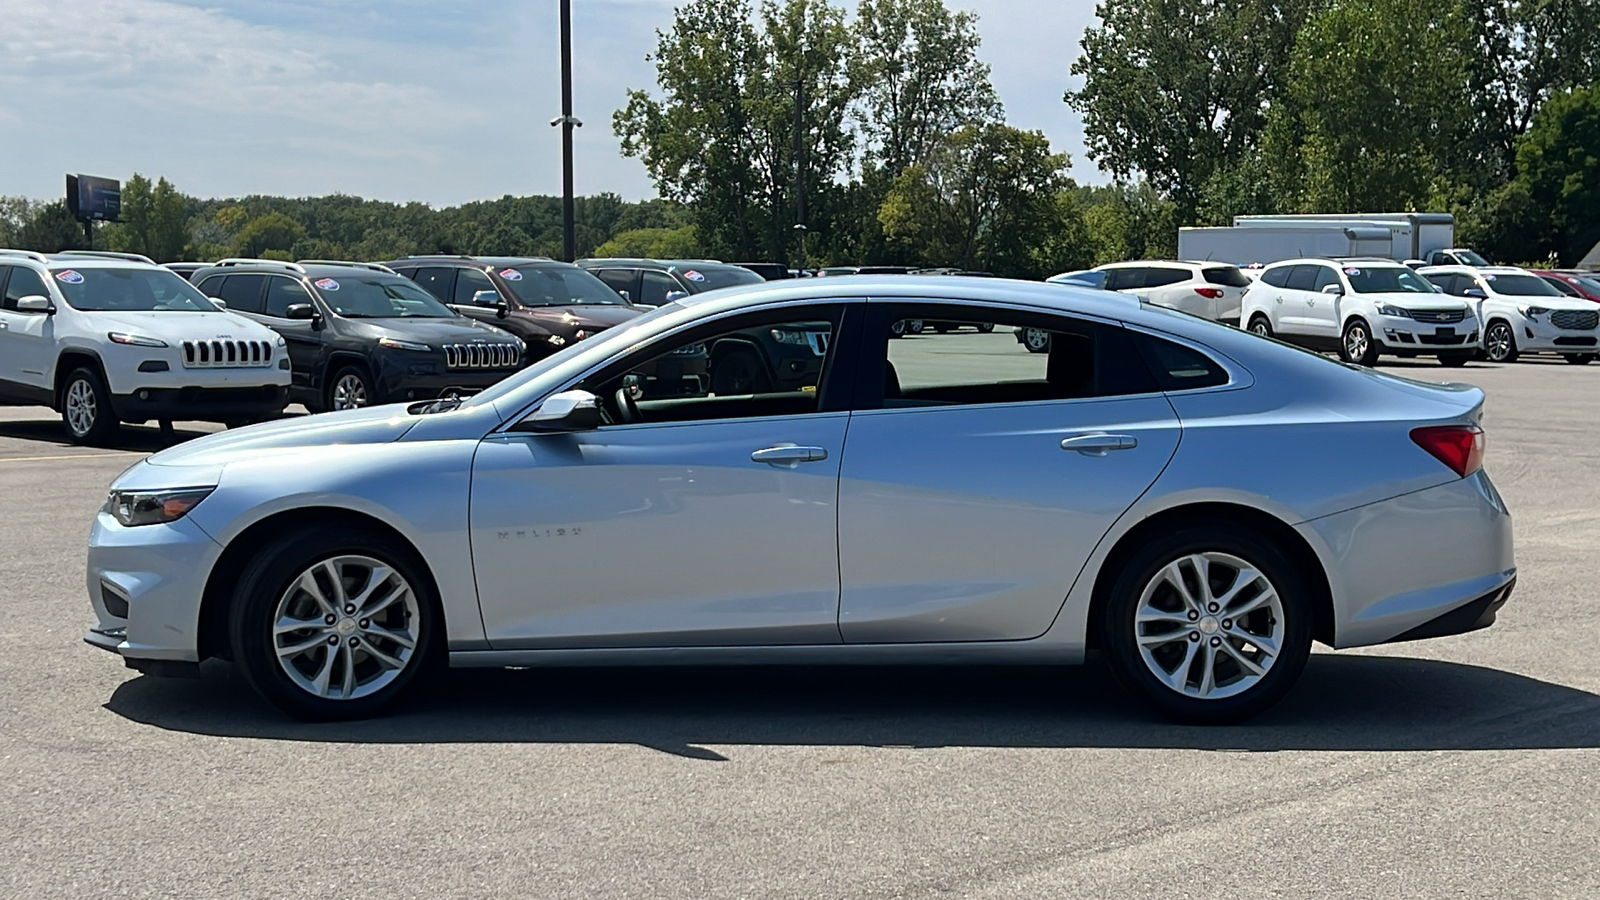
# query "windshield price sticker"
(68, 276)
(511, 274)
(692, 275)
(326, 284)
(1352, 271)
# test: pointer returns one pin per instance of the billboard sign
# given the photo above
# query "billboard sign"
(94, 199)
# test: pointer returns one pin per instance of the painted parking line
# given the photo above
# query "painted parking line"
(6, 459)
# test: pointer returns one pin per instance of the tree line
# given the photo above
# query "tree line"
(885, 125)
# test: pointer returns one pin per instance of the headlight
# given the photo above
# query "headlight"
(1533, 312)
(784, 336)
(1385, 309)
(282, 342)
(393, 344)
(131, 508)
(136, 340)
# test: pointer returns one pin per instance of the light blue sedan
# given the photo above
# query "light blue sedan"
(1197, 502)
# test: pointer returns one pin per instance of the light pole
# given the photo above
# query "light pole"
(567, 121)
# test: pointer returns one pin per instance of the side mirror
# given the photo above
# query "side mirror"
(218, 302)
(565, 412)
(1475, 293)
(673, 296)
(1336, 290)
(36, 303)
(626, 296)
(303, 312)
(491, 300)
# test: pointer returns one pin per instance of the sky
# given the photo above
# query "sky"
(442, 101)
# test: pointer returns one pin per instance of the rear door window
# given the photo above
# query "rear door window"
(242, 292)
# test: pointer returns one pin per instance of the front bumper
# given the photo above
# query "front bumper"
(145, 585)
(202, 404)
(1539, 335)
(401, 381)
(1412, 336)
(1399, 564)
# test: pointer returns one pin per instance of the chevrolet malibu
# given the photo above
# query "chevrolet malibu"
(1142, 489)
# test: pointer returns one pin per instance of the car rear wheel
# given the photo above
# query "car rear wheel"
(333, 623)
(1037, 340)
(1578, 359)
(1357, 345)
(351, 388)
(1500, 343)
(985, 327)
(1209, 623)
(86, 408)
(1260, 325)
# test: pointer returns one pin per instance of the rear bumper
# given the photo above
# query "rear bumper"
(1398, 565)
(205, 404)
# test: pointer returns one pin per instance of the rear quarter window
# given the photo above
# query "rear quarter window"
(1179, 368)
(1226, 276)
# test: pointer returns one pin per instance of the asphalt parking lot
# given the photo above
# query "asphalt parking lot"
(1466, 766)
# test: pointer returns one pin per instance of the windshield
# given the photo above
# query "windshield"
(1591, 285)
(1470, 258)
(129, 290)
(1520, 285)
(606, 342)
(374, 296)
(711, 279)
(558, 286)
(1388, 280)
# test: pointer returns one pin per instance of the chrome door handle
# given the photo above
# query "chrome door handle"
(788, 455)
(1099, 444)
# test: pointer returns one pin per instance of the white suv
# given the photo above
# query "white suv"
(1210, 290)
(1522, 312)
(108, 338)
(1361, 307)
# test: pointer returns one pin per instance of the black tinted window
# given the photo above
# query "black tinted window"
(212, 286)
(654, 288)
(1325, 276)
(436, 280)
(1562, 286)
(1123, 279)
(23, 283)
(1227, 276)
(282, 293)
(620, 280)
(1302, 278)
(1278, 277)
(243, 292)
(1161, 276)
(1179, 368)
(468, 283)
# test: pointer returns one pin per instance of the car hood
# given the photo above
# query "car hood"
(184, 326)
(603, 315)
(1562, 302)
(1416, 300)
(436, 331)
(372, 425)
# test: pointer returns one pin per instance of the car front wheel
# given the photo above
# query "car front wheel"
(332, 623)
(86, 408)
(1357, 346)
(1037, 340)
(351, 389)
(1500, 343)
(1210, 623)
(1260, 326)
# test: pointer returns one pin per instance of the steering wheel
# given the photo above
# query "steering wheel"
(627, 410)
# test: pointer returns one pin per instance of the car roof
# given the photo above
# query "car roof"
(663, 264)
(304, 269)
(1377, 262)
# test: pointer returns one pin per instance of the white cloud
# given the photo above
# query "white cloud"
(401, 99)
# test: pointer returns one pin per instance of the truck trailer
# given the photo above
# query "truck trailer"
(1266, 239)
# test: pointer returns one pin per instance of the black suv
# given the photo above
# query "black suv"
(548, 304)
(657, 282)
(359, 334)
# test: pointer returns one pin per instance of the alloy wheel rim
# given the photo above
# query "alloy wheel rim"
(1036, 337)
(346, 627)
(1355, 342)
(1260, 328)
(1499, 342)
(1209, 625)
(349, 393)
(81, 408)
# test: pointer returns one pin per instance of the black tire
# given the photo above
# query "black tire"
(1037, 340)
(739, 372)
(272, 573)
(1455, 360)
(1578, 359)
(1120, 634)
(86, 411)
(357, 381)
(1500, 343)
(1260, 325)
(985, 327)
(1357, 345)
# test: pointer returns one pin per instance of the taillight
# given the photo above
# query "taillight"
(1212, 293)
(1458, 446)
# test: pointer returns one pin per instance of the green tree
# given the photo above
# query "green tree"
(987, 198)
(1376, 102)
(1129, 222)
(271, 232)
(155, 220)
(654, 243)
(1175, 90)
(14, 213)
(721, 138)
(51, 228)
(1558, 164)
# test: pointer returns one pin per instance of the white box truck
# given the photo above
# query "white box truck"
(1265, 239)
